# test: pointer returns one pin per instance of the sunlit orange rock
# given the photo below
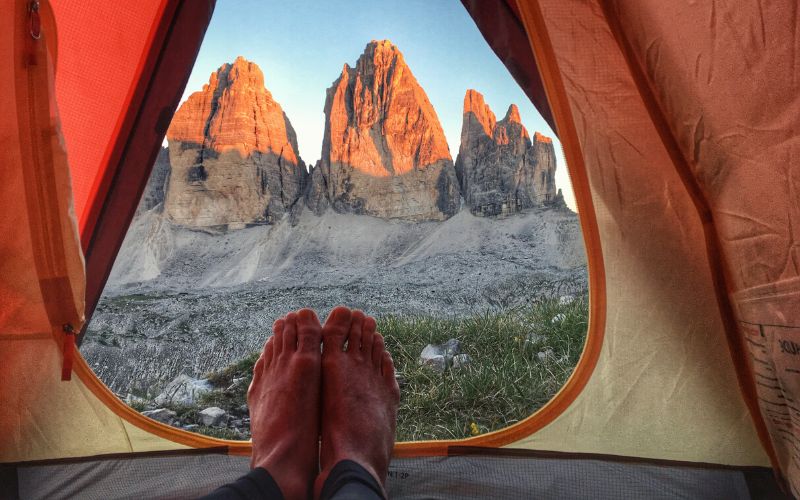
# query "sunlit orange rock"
(384, 152)
(501, 171)
(233, 153)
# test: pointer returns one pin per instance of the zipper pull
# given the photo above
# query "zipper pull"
(35, 30)
(35, 25)
(69, 352)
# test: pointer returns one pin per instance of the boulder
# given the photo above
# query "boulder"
(161, 415)
(442, 356)
(213, 417)
(183, 390)
(433, 356)
(451, 348)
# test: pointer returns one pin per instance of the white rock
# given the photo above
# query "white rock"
(558, 318)
(183, 390)
(236, 382)
(566, 300)
(162, 415)
(213, 416)
(437, 362)
(431, 351)
(544, 355)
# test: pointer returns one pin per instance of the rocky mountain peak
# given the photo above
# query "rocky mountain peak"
(479, 112)
(379, 54)
(512, 115)
(384, 152)
(252, 121)
(500, 170)
(510, 129)
(233, 153)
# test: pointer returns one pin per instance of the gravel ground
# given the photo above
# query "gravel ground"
(184, 301)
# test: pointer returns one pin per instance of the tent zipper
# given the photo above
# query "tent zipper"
(35, 30)
(32, 59)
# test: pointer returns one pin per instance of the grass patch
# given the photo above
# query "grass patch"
(520, 358)
(507, 379)
(242, 368)
(219, 432)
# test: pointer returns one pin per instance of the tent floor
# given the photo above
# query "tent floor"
(186, 475)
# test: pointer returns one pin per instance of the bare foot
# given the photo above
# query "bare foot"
(284, 400)
(359, 396)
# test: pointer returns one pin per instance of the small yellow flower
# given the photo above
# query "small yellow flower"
(473, 429)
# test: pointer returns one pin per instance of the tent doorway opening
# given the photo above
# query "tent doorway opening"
(366, 169)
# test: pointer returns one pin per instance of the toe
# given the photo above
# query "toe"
(354, 337)
(290, 333)
(258, 372)
(334, 332)
(277, 337)
(309, 331)
(269, 352)
(387, 369)
(377, 350)
(368, 335)
(262, 364)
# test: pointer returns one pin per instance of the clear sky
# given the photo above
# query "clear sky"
(301, 46)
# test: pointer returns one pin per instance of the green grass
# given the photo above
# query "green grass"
(233, 395)
(505, 382)
(217, 432)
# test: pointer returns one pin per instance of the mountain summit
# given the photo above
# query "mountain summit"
(233, 153)
(501, 170)
(384, 152)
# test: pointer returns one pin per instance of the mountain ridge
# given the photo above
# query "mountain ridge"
(234, 159)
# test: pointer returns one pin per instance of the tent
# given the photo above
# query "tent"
(680, 125)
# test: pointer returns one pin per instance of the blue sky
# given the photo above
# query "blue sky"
(302, 45)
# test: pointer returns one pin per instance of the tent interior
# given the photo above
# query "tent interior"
(679, 124)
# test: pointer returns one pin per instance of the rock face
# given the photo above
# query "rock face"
(157, 183)
(233, 154)
(500, 169)
(384, 152)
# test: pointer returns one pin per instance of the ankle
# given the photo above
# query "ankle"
(344, 474)
(293, 482)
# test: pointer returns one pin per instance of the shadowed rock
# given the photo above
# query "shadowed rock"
(155, 189)
(500, 169)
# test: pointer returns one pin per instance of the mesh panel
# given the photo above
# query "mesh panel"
(540, 478)
(165, 477)
(472, 477)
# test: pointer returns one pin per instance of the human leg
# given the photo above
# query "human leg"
(360, 397)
